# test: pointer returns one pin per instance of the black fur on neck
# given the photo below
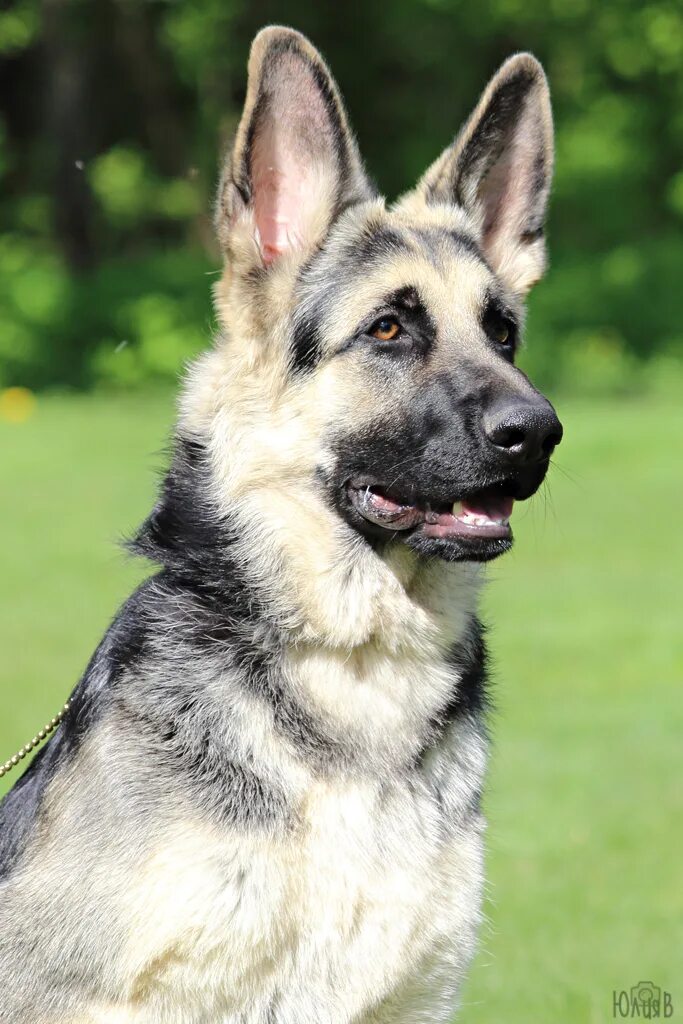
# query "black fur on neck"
(186, 533)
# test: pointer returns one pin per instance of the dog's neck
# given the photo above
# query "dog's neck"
(333, 589)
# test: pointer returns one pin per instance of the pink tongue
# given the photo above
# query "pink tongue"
(494, 507)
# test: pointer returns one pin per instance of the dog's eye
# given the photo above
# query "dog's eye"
(501, 328)
(501, 331)
(385, 329)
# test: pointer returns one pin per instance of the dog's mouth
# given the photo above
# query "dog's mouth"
(483, 514)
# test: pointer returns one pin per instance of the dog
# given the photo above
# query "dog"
(263, 802)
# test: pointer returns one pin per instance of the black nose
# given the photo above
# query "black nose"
(525, 432)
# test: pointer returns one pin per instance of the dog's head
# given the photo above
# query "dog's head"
(368, 371)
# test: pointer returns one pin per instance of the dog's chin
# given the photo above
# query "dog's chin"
(474, 527)
(455, 549)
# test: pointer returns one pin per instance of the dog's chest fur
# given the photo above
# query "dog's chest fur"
(352, 896)
(371, 897)
(343, 885)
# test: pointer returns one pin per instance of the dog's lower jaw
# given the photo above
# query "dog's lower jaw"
(454, 549)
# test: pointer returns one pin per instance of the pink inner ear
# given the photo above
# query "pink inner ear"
(507, 192)
(293, 160)
(280, 200)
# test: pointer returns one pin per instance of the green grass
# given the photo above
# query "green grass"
(584, 799)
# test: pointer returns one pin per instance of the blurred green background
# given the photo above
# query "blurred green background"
(112, 119)
(113, 115)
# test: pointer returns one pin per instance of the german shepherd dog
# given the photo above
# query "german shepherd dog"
(263, 804)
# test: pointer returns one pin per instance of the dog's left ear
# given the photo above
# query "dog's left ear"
(294, 164)
(499, 170)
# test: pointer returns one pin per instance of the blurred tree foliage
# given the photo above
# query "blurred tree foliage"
(113, 115)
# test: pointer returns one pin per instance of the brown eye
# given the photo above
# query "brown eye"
(385, 330)
(501, 332)
(500, 327)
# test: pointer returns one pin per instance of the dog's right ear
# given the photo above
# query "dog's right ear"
(294, 164)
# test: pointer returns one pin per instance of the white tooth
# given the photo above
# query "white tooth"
(457, 509)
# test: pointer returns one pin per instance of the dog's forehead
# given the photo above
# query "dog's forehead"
(369, 259)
